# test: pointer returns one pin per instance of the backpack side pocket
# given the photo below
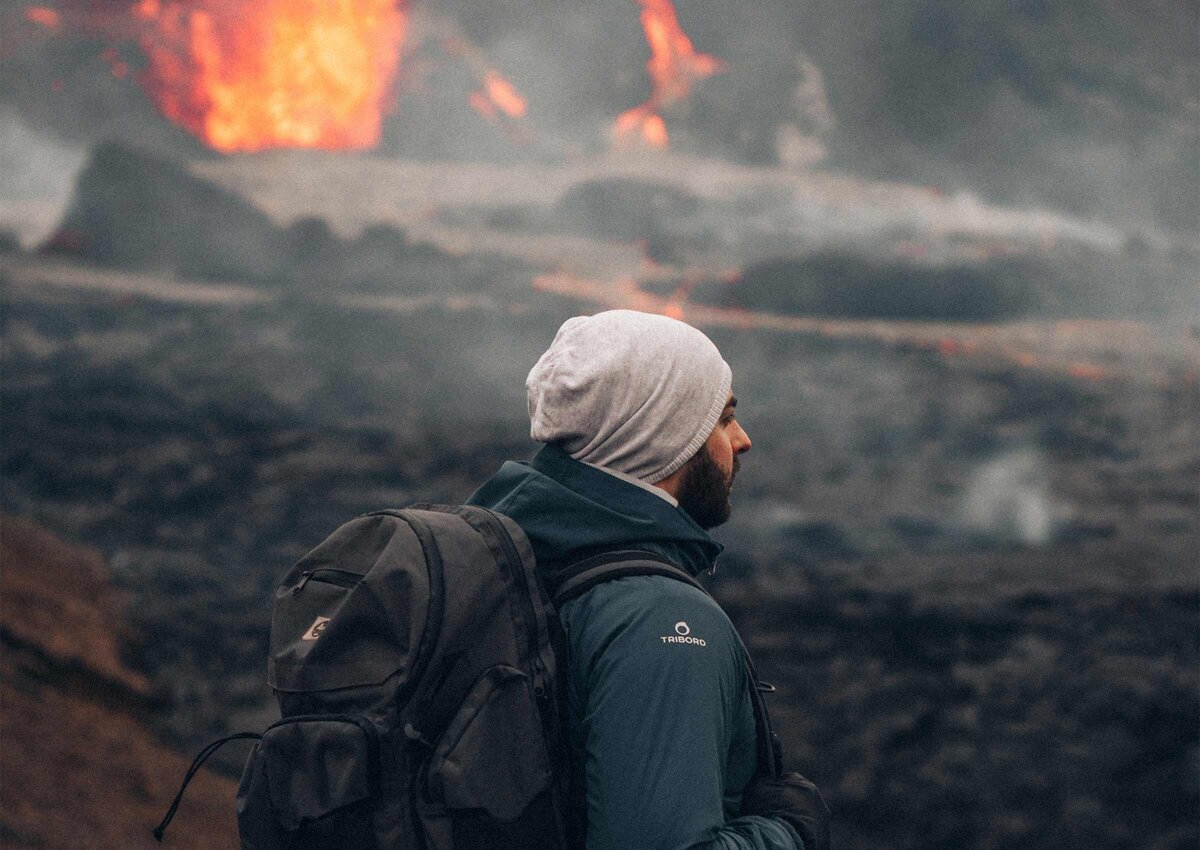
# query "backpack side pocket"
(311, 783)
(489, 777)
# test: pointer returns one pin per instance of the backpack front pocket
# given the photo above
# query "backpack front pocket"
(317, 775)
(489, 778)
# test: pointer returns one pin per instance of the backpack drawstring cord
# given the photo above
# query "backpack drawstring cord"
(197, 763)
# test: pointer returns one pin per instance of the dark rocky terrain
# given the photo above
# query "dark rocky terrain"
(966, 545)
(136, 211)
(975, 583)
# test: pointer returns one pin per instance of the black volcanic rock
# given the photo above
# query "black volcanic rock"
(846, 285)
(624, 208)
(137, 210)
(946, 689)
(1075, 282)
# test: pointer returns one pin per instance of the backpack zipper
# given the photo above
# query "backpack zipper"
(525, 592)
(437, 600)
(328, 575)
(518, 571)
(470, 514)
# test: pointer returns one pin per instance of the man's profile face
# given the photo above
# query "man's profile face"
(708, 477)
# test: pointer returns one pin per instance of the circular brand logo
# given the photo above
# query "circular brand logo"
(682, 629)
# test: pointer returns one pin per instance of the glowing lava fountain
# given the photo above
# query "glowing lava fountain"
(674, 66)
(245, 75)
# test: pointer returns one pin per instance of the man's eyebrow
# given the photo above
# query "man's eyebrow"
(732, 402)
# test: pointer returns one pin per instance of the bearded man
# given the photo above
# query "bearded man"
(642, 445)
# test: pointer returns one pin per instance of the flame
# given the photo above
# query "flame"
(245, 76)
(674, 66)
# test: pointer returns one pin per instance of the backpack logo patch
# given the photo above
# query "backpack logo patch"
(316, 629)
(683, 634)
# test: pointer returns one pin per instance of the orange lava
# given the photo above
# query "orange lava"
(497, 96)
(674, 66)
(502, 93)
(48, 18)
(482, 104)
(246, 75)
(641, 124)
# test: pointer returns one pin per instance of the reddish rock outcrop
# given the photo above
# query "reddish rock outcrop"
(81, 768)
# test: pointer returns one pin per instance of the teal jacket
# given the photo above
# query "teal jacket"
(658, 702)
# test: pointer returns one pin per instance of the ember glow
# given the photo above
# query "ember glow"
(256, 74)
(498, 96)
(48, 18)
(501, 92)
(674, 66)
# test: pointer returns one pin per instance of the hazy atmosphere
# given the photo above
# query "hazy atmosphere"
(267, 265)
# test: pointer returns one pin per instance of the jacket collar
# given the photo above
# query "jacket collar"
(570, 510)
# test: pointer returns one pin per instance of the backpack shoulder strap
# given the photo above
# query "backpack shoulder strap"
(581, 577)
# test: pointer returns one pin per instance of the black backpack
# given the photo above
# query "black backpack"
(417, 660)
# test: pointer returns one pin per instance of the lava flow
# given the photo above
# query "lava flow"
(495, 96)
(674, 66)
(499, 93)
(1087, 350)
(246, 76)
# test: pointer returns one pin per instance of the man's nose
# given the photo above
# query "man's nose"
(741, 441)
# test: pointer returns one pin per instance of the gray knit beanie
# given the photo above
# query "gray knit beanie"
(635, 392)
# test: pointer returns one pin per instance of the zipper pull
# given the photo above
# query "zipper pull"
(539, 678)
(304, 576)
(416, 737)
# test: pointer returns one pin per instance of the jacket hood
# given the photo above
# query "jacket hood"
(570, 510)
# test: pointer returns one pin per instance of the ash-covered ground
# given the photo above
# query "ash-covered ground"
(969, 566)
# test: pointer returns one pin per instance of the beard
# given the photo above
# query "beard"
(704, 490)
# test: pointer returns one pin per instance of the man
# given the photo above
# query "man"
(642, 446)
